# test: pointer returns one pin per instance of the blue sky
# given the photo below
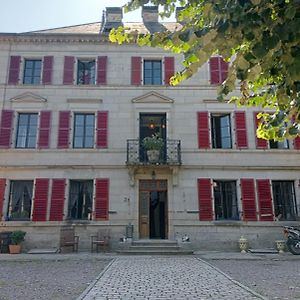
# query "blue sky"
(29, 15)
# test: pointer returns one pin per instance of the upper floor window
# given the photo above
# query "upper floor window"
(284, 200)
(20, 200)
(152, 72)
(86, 70)
(27, 130)
(84, 130)
(221, 131)
(225, 200)
(32, 71)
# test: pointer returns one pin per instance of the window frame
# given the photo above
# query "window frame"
(27, 136)
(86, 60)
(216, 132)
(26, 60)
(153, 60)
(84, 114)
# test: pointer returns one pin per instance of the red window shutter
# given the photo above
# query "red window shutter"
(40, 199)
(297, 143)
(136, 70)
(6, 128)
(69, 70)
(203, 130)
(260, 143)
(102, 129)
(264, 200)
(102, 199)
(101, 69)
(169, 69)
(248, 200)
(63, 130)
(205, 200)
(241, 130)
(57, 200)
(2, 194)
(218, 69)
(47, 69)
(14, 69)
(44, 131)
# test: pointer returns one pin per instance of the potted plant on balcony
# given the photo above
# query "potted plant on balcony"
(153, 145)
(17, 237)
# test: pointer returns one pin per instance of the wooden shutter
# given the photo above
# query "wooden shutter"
(40, 199)
(63, 130)
(102, 129)
(6, 128)
(169, 69)
(264, 200)
(14, 69)
(205, 199)
(69, 70)
(47, 69)
(57, 200)
(2, 195)
(260, 143)
(101, 69)
(248, 199)
(241, 130)
(297, 143)
(136, 70)
(218, 69)
(102, 199)
(203, 130)
(44, 131)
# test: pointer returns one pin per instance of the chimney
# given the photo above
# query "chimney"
(150, 14)
(178, 11)
(112, 18)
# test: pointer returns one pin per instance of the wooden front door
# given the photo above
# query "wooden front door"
(153, 209)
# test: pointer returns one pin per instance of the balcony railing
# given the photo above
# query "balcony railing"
(170, 154)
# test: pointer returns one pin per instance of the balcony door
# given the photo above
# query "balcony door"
(151, 123)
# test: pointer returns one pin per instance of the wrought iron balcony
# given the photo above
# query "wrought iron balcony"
(170, 154)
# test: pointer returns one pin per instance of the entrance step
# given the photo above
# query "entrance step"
(154, 247)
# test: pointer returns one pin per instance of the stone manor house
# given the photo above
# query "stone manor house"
(75, 109)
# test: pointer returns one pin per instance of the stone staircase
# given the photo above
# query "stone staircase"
(154, 247)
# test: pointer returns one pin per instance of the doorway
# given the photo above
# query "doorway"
(153, 209)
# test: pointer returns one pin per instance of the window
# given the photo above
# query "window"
(221, 131)
(20, 199)
(80, 199)
(284, 200)
(86, 72)
(32, 71)
(152, 72)
(225, 200)
(279, 145)
(27, 130)
(84, 129)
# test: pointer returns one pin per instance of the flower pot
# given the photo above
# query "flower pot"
(14, 249)
(153, 155)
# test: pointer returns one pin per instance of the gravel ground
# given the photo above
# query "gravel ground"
(275, 279)
(48, 279)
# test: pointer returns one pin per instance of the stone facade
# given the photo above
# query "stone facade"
(126, 104)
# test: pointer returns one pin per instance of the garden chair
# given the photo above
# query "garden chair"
(100, 240)
(68, 238)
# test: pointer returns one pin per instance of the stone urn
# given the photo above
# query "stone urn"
(280, 245)
(153, 155)
(243, 244)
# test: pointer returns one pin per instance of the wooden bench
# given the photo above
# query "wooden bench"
(100, 240)
(68, 238)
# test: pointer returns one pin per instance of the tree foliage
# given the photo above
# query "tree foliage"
(260, 38)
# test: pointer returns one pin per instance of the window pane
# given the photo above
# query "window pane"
(147, 65)
(32, 71)
(90, 120)
(79, 120)
(89, 142)
(78, 142)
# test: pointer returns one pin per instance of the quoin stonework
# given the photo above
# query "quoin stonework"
(75, 109)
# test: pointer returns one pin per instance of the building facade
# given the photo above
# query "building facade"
(75, 110)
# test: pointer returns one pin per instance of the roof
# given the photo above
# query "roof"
(94, 28)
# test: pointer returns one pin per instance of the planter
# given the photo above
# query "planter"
(243, 244)
(280, 245)
(14, 249)
(153, 155)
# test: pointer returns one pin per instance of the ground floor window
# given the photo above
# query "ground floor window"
(20, 200)
(284, 200)
(226, 207)
(80, 199)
